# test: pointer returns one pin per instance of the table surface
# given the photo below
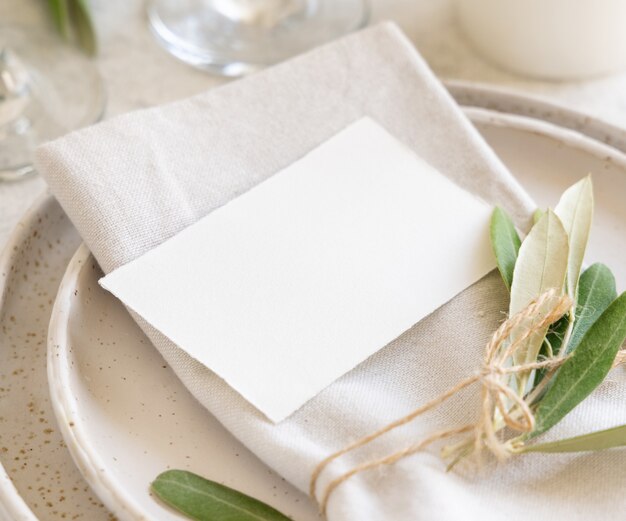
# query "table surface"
(138, 73)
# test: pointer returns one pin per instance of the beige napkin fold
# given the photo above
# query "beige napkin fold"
(131, 182)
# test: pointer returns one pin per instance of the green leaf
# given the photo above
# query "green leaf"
(537, 215)
(575, 210)
(585, 369)
(541, 266)
(600, 440)
(205, 500)
(61, 17)
(73, 20)
(595, 294)
(83, 26)
(505, 242)
(596, 291)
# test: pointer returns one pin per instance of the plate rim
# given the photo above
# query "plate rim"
(89, 463)
(12, 504)
(104, 482)
(509, 101)
(567, 136)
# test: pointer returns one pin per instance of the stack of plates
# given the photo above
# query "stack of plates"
(89, 411)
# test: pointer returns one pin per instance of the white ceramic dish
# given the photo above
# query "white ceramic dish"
(36, 462)
(126, 417)
(31, 310)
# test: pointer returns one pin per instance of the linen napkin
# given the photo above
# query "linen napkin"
(132, 182)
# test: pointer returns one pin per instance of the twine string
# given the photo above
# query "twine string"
(391, 459)
(496, 394)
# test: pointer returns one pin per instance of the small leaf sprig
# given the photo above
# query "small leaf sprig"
(581, 347)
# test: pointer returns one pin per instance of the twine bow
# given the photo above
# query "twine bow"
(498, 374)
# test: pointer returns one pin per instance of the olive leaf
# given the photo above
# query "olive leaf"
(585, 369)
(541, 265)
(599, 440)
(205, 500)
(596, 291)
(506, 243)
(595, 294)
(575, 210)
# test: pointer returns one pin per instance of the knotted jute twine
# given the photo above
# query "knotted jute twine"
(497, 379)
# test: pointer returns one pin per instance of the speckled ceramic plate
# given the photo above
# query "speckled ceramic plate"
(498, 99)
(126, 417)
(39, 479)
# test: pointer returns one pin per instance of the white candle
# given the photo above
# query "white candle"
(555, 39)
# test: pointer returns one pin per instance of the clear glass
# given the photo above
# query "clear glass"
(236, 37)
(46, 89)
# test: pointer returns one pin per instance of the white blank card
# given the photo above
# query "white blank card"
(292, 284)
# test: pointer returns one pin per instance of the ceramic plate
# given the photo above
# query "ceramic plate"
(498, 99)
(126, 417)
(35, 483)
(32, 450)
